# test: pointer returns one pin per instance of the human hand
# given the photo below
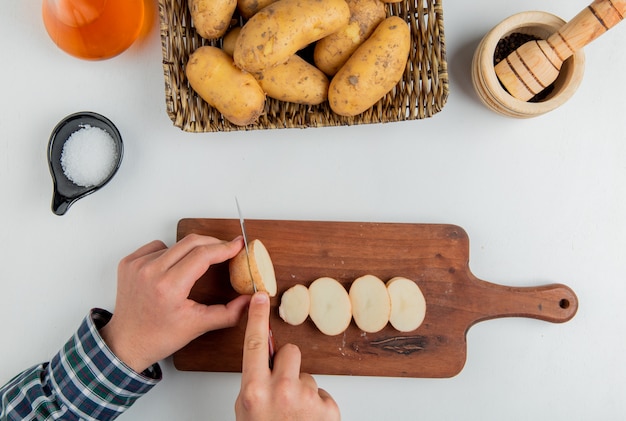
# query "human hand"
(282, 393)
(153, 315)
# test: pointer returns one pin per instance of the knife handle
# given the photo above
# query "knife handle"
(271, 347)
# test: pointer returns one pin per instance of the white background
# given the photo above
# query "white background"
(542, 201)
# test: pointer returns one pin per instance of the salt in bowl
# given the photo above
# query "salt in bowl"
(67, 187)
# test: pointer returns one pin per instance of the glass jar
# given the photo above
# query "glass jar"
(93, 29)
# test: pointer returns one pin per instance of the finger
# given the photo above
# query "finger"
(308, 381)
(220, 316)
(197, 261)
(147, 249)
(287, 361)
(139, 257)
(183, 247)
(255, 364)
(325, 395)
(331, 404)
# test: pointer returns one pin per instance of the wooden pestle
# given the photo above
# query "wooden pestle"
(536, 64)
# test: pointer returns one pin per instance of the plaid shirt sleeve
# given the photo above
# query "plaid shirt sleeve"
(83, 381)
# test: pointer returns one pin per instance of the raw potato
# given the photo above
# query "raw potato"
(333, 51)
(295, 81)
(408, 306)
(211, 18)
(248, 8)
(373, 70)
(370, 303)
(279, 30)
(234, 93)
(229, 40)
(330, 308)
(261, 269)
(294, 305)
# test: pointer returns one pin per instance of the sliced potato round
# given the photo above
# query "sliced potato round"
(260, 269)
(370, 303)
(408, 306)
(330, 307)
(294, 305)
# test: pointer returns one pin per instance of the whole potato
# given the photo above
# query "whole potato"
(211, 18)
(279, 30)
(229, 40)
(234, 93)
(295, 81)
(373, 70)
(248, 8)
(333, 51)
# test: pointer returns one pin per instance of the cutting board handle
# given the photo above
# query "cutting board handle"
(555, 303)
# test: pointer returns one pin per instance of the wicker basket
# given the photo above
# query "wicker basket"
(422, 92)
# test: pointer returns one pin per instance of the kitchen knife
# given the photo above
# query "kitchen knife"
(270, 339)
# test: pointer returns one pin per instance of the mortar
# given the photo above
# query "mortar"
(488, 86)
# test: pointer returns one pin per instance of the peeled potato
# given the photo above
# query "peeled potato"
(261, 270)
(370, 303)
(330, 307)
(408, 306)
(294, 305)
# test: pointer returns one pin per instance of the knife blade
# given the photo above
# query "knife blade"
(245, 242)
(270, 338)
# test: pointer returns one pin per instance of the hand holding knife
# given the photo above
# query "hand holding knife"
(270, 339)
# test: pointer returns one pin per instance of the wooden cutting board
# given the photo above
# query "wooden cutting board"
(436, 257)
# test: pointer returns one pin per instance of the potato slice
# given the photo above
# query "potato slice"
(408, 306)
(330, 308)
(370, 303)
(261, 269)
(294, 305)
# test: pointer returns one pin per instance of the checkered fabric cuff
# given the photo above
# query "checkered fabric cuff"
(90, 380)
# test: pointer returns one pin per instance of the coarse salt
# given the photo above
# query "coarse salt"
(89, 156)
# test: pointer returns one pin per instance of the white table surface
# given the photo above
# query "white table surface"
(542, 201)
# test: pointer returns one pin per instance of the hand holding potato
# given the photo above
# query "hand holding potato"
(153, 315)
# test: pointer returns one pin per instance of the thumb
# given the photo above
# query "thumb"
(220, 316)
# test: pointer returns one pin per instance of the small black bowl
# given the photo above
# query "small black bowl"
(65, 191)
